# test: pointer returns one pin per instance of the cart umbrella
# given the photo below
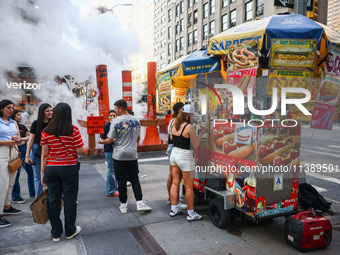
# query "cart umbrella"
(285, 26)
(184, 69)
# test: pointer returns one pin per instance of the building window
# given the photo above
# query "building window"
(169, 14)
(157, 23)
(205, 10)
(196, 1)
(157, 58)
(232, 1)
(182, 6)
(195, 16)
(177, 10)
(163, 55)
(212, 6)
(163, 43)
(177, 45)
(156, 12)
(169, 49)
(212, 27)
(163, 19)
(224, 3)
(163, 30)
(259, 7)
(156, 47)
(189, 39)
(169, 32)
(189, 3)
(163, 7)
(195, 36)
(162, 66)
(233, 18)
(205, 31)
(182, 43)
(156, 35)
(225, 22)
(189, 19)
(182, 24)
(249, 10)
(177, 28)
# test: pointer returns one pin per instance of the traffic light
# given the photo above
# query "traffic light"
(314, 13)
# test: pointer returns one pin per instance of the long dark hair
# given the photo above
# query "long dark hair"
(3, 104)
(61, 122)
(176, 108)
(182, 117)
(40, 122)
(15, 112)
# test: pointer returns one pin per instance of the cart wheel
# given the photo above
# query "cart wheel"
(197, 196)
(219, 217)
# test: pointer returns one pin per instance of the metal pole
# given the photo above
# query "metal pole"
(300, 7)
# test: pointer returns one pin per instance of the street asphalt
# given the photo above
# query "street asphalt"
(106, 231)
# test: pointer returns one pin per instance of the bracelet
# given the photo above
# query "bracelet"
(42, 173)
(27, 156)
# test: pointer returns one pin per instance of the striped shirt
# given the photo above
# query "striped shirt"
(59, 155)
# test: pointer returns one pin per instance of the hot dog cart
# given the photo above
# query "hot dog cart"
(254, 166)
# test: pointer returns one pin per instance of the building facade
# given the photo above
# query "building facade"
(333, 15)
(183, 26)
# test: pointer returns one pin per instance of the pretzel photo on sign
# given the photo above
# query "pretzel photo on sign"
(164, 102)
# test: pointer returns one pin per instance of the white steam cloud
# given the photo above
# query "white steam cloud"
(60, 38)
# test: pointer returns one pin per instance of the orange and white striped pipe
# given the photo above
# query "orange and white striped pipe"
(127, 87)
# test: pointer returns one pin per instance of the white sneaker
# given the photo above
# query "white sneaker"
(56, 239)
(194, 216)
(172, 213)
(78, 229)
(141, 206)
(182, 206)
(123, 208)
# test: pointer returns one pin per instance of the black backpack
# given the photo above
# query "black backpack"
(309, 197)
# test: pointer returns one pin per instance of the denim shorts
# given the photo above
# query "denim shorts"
(169, 150)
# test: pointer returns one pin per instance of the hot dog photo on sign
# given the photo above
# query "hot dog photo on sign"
(244, 55)
(233, 142)
(280, 148)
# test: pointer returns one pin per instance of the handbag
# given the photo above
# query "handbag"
(78, 163)
(15, 164)
(39, 208)
(37, 153)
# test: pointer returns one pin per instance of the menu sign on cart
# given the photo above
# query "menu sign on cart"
(333, 61)
(288, 79)
(292, 53)
(164, 92)
(329, 90)
(243, 55)
(323, 115)
(242, 79)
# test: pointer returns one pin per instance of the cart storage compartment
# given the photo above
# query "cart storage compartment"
(305, 231)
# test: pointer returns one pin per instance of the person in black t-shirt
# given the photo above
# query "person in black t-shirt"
(16, 197)
(34, 157)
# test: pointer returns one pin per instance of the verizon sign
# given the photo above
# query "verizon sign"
(24, 85)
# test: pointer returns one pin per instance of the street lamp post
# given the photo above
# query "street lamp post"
(111, 10)
(104, 9)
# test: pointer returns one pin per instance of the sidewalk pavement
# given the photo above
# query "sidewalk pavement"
(106, 231)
